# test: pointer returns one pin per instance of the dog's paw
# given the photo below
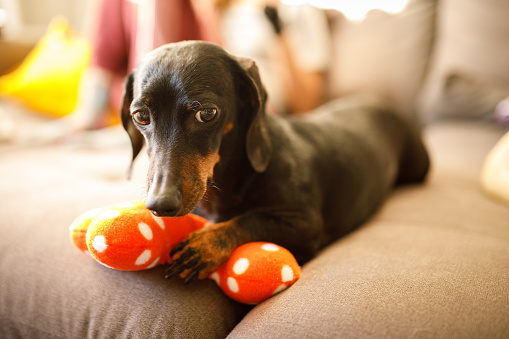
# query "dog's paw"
(200, 254)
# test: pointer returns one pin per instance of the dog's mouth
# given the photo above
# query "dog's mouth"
(197, 176)
(192, 195)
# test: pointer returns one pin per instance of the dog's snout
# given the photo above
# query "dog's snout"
(164, 203)
(165, 206)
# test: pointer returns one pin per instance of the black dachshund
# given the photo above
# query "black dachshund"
(298, 182)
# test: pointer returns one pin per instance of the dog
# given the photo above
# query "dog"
(298, 182)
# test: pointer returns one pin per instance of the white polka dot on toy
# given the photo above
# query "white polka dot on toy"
(286, 273)
(241, 266)
(145, 230)
(215, 276)
(143, 258)
(109, 214)
(233, 285)
(270, 247)
(100, 244)
(154, 263)
(159, 221)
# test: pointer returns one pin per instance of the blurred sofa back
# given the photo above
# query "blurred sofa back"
(434, 60)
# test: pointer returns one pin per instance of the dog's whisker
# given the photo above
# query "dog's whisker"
(212, 185)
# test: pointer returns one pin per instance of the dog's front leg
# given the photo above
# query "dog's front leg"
(202, 252)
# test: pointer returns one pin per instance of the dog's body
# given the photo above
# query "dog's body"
(297, 182)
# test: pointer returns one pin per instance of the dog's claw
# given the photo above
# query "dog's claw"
(178, 248)
(173, 272)
(191, 277)
(190, 264)
(171, 267)
(181, 264)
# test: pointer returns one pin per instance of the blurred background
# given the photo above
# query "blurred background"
(30, 18)
(62, 62)
(66, 60)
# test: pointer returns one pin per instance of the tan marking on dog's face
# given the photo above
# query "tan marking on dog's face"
(228, 128)
(196, 172)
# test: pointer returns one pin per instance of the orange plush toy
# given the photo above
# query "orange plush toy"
(129, 237)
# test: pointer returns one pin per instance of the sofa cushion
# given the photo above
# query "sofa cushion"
(469, 73)
(49, 289)
(432, 263)
(385, 54)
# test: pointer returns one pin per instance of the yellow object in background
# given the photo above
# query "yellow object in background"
(48, 79)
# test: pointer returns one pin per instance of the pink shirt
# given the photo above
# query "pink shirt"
(115, 36)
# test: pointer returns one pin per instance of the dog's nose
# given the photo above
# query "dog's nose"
(165, 205)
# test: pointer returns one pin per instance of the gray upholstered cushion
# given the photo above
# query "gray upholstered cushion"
(48, 289)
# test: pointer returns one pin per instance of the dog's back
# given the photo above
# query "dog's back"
(350, 154)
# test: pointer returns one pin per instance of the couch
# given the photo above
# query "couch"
(432, 263)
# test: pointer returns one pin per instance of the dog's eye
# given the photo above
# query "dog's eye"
(206, 114)
(141, 118)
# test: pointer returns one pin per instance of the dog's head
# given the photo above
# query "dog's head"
(184, 100)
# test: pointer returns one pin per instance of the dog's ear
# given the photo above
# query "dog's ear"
(258, 142)
(135, 135)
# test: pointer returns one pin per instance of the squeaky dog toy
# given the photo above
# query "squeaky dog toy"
(127, 236)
